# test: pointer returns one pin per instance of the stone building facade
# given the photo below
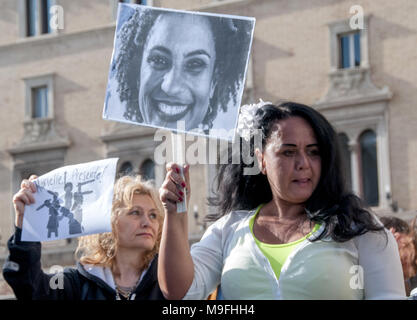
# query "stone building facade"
(363, 80)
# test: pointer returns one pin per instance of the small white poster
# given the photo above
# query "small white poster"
(170, 66)
(71, 201)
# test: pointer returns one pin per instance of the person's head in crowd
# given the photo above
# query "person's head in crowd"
(405, 237)
(136, 220)
(180, 67)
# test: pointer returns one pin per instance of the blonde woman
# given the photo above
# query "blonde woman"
(120, 265)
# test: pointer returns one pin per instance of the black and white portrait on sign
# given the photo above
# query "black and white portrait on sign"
(170, 66)
(71, 201)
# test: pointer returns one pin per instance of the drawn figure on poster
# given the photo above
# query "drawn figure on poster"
(55, 201)
(78, 201)
(54, 217)
(175, 66)
(68, 193)
(74, 225)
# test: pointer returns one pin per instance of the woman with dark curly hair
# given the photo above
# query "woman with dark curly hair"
(176, 66)
(293, 231)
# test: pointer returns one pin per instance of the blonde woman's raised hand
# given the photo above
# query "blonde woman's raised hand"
(22, 198)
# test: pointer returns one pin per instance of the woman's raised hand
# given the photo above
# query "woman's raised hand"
(174, 188)
(175, 265)
(23, 197)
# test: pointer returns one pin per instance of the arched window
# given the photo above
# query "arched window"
(346, 159)
(125, 169)
(147, 170)
(369, 168)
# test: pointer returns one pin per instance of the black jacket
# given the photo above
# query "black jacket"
(22, 271)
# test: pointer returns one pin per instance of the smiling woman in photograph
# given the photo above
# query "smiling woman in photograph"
(176, 66)
(176, 79)
(119, 265)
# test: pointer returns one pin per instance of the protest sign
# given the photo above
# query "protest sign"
(71, 201)
(170, 65)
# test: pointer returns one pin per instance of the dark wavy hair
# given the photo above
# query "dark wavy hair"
(342, 212)
(232, 41)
